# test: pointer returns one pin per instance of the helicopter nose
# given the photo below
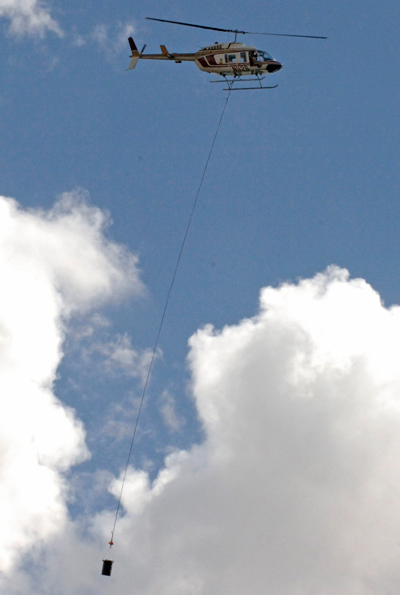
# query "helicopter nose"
(274, 66)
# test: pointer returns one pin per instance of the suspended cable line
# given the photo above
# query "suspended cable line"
(144, 391)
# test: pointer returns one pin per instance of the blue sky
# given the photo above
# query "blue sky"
(302, 177)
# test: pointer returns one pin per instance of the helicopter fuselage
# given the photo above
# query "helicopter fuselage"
(235, 59)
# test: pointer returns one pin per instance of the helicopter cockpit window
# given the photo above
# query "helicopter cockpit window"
(243, 56)
(231, 58)
(264, 56)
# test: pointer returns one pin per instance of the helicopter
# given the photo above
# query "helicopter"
(231, 62)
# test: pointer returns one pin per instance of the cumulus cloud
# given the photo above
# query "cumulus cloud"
(295, 487)
(52, 264)
(28, 16)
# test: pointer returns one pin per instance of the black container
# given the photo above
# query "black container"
(107, 566)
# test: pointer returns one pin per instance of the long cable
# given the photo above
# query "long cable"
(111, 542)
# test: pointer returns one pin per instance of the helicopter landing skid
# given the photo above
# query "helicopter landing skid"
(230, 83)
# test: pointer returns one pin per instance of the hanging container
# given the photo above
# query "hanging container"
(107, 566)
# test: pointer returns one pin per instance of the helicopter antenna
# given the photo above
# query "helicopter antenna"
(235, 31)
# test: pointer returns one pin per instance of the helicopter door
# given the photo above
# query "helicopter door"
(253, 55)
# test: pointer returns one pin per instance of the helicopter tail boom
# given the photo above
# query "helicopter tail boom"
(165, 55)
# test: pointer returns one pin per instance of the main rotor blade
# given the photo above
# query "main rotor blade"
(197, 26)
(234, 30)
(285, 35)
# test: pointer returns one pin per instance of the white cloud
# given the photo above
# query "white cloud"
(112, 41)
(119, 355)
(28, 16)
(168, 410)
(52, 264)
(295, 488)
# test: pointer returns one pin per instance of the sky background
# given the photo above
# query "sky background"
(104, 165)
